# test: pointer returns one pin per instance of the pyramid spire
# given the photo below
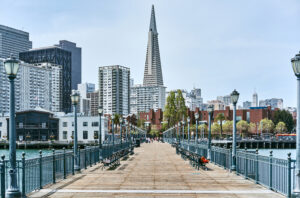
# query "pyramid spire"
(152, 27)
(153, 72)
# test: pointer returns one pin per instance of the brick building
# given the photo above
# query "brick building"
(254, 115)
(154, 118)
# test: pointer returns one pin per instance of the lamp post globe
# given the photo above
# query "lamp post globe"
(100, 111)
(75, 100)
(296, 68)
(11, 66)
(234, 99)
(210, 110)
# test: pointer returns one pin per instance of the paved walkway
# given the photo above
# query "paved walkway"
(155, 171)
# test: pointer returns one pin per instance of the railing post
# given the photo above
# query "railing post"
(85, 157)
(41, 171)
(23, 175)
(246, 164)
(2, 176)
(90, 156)
(79, 158)
(256, 166)
(65, 172)
(73, 162)
(53, 168)
(289, 182)
(270, 170)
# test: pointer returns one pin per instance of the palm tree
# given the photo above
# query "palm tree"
(220, 117)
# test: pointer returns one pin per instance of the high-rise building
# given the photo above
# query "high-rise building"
(114, 88)
(13, 41)
(144, 98)
(273, 102)
(84, 103)
(57, 56)
(94, 102)
(76, 60)
(226, 100)
(150, 95)
(247, 104)
(36, 85)
(254, 100)
(153, 72)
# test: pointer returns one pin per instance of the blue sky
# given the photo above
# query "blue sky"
(215, 45)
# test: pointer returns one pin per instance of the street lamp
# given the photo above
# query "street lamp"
(75, 99)
(296, 67)
(100, 111)
(234, 99)
(113, 130)
(188, 121)
(179, 129)
(121, 123)
(11, 67)
(183, 123)
(126, 127)
(196, 118)
(210, 110)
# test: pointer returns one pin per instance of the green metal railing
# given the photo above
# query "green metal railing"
(273, 173)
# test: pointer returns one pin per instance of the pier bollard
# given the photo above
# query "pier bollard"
(256, 166)
(2, 176)
(23, 175)
(289, 189)
(270, 169)
(41, 171)
(246, 164)
(53, 167)
(65, 172)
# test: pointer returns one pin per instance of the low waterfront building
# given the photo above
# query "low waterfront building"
(87, 128)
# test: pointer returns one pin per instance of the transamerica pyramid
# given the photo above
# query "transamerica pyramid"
(152, 72)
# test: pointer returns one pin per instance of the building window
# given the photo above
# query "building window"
(72, 123)
(65, 134)
(95, 124)
(44, 125)
(72, 136)
(248, 116)
(0, 124)
(85, 135)
(238, 118)
(84, 124)
(21, 125)
(0, 134)
(95, 135)
(65, 124)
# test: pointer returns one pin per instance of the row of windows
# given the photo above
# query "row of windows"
(84, 135)
(94, 124)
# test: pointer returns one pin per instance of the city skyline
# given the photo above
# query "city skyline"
(195, 45)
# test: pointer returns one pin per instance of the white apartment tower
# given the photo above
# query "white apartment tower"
(114, 88)
(36, 85)
(254, 100)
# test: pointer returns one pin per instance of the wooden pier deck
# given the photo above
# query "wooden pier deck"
(155, 171)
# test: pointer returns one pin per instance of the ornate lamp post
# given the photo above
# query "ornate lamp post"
(188, 121)
(179, 129)
(296, 67)
(100, 111)
(11, 67)
(113, 130)
(183, 123)
(210, 110)
(234, 99)
(75, 99)
(196, 117)
(126, 127)
(121, 125)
